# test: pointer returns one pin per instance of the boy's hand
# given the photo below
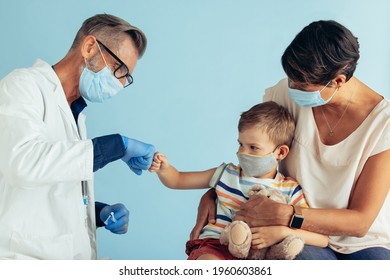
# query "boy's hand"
(159, 163)
(263, 237)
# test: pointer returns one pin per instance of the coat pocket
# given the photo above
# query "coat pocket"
(30, 246)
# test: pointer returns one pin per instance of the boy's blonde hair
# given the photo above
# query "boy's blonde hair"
(270, 118)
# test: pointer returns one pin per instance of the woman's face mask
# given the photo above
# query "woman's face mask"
(257, 166)
(309, 98)
(99, 86)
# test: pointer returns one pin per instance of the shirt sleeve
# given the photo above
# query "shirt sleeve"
(298, 197)
(383, 144)
(106, 149)
(217, 175)
(98, 207)
(277, 92)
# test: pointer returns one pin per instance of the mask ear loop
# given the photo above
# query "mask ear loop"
(330, 98)
(86, 63)
(102, 54)
(325, 86)
(275, 150)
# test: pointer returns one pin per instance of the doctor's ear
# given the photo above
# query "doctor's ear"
(88, 47)
(282, 152)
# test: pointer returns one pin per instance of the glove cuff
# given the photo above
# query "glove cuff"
(125, 141)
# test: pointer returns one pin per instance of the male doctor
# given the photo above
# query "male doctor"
(47, 206)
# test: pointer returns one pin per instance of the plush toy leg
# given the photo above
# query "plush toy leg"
(257, 254)
(287, 249)
(224, 237)
(239, 239)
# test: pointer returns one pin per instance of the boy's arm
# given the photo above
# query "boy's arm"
(311, 238)
(172, 178)
(266, 236)
(186, 180)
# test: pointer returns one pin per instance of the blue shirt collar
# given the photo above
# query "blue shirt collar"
(77, 107)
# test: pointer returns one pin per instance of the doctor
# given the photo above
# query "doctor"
(47, 206)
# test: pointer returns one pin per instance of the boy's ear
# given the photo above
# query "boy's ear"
(282, 152)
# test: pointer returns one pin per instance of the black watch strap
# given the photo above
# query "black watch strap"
(297, 218)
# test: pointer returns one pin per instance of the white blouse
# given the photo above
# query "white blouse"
(328, 173)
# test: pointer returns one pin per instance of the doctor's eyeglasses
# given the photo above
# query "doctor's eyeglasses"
(121, 71)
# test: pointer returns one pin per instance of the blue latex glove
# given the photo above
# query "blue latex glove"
(138, 155)
(119, 223)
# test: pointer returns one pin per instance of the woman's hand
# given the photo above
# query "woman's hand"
(262, 211)
(206, 213)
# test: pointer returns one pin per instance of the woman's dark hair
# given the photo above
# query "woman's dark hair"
(320, 52)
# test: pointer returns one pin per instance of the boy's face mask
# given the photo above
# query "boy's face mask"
(257, 166)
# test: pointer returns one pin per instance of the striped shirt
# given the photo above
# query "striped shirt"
(232, 190)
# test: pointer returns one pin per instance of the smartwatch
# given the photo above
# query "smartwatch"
(297, 218)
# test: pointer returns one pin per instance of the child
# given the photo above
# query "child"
(265, 134)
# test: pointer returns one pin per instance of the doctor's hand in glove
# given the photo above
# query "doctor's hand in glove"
(138, 155)
(115, 217)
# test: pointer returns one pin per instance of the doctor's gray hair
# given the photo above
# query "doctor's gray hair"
(111, 30)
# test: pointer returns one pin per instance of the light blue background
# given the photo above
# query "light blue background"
(206, 62)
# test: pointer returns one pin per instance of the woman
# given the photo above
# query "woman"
(340, 153)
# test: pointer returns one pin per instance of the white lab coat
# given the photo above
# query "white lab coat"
(44, 157)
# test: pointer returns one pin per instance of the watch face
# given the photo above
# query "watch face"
(296, 222)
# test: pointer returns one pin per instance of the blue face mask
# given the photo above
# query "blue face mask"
(257, 166)
(309, 98)
(99, 86)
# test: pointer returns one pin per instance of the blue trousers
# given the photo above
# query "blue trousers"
(316, 253)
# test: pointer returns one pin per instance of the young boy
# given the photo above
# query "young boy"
(265, 134)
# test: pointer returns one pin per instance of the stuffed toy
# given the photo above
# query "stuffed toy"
(237, 235)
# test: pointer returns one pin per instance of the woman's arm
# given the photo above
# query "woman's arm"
(206, 213)
(172, 178)
(368, 196)
(263, 237)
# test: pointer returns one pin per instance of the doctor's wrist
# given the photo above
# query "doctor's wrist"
(98, 207)
(106, 149)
